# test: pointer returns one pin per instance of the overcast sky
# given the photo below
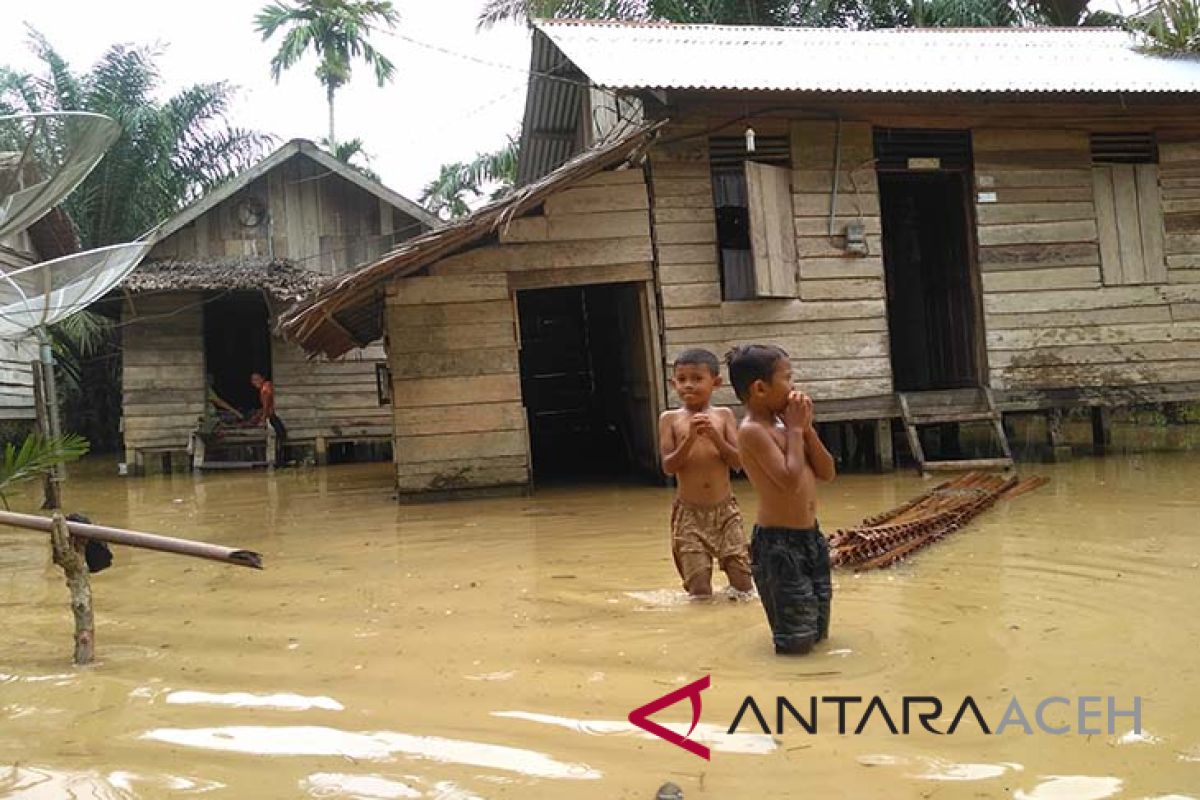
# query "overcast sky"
(440, 108)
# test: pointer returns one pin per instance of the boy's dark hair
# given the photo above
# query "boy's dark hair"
(752, 362)
(699, 357)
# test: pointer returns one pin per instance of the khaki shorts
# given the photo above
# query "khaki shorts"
(700, 534)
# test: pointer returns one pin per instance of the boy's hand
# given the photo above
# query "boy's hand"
(700, 425)
(799, 412)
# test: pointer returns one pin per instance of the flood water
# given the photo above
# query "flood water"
(492, 649)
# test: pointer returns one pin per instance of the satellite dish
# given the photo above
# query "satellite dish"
(42, 294)
(43, 157)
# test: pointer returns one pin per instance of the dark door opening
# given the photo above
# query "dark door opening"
(585, 381)
(933, 302)
(237, 342)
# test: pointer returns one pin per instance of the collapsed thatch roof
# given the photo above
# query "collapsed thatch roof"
(347, 313)
(278, 278)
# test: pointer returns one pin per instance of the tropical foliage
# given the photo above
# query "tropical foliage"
(353, 154)
(169, 153)
(1171, 27)
(36, 457)
(815, 13)
(460, 185)
(336, 31)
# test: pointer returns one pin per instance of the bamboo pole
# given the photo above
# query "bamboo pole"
(148, 541)
(68, 554)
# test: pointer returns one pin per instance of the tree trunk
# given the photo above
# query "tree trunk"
(68, 554)
(332, 141)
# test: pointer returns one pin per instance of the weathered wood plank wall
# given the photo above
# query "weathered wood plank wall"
(456, 383)
(16, 375)
(1054, 317)
(453, 333)
(836, 330)
(16, 379)
(315, 218)
(332, 400)
(163, 392)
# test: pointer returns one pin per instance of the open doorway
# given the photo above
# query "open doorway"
(586, 381)
(237, 342)
(934, 316)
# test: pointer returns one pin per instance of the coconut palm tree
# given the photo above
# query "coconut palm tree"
(337, 31)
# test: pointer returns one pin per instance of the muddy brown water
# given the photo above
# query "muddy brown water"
(492, 649)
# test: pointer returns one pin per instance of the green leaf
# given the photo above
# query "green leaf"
(37, 456)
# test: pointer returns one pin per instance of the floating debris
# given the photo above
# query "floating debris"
(886, 538)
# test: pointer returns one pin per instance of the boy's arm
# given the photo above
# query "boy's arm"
(819, 458)
(726, 442)
(674, 456)
(784, 469)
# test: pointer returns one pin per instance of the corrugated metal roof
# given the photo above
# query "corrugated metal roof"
(662, 56)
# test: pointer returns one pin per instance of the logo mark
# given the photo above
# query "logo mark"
(641, 717)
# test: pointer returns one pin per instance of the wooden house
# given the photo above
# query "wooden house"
(205, 300)
(938, 226)
(53, 236)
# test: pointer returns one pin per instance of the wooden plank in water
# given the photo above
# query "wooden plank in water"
(968, 464)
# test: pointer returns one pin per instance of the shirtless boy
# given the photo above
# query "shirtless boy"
(699, 447)
(784, 458)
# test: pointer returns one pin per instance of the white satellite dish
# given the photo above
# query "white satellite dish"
(43, 158)
(42, 294)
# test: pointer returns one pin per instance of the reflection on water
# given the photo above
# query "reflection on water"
(315, 741)
(31, 783)
(493, 649)
(1072, 787)
(712, 736)
(279, 700)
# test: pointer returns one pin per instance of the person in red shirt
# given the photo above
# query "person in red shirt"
(266, 412)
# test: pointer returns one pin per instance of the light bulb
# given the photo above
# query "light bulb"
(749, 140)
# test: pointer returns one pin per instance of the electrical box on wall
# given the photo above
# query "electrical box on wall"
(856, 239)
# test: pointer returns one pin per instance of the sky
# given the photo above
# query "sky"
(441, 107)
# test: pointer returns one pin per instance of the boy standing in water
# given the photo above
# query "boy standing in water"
(784, 458)
(699, 447)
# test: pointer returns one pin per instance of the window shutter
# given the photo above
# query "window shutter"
(1150, 212)
(772, 230)
(1130, 223)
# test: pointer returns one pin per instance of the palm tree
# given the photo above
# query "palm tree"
(1170, 27)
(36, 457)
(823, 13)
(349, 153)
(169, 153)
(458, 185)
(816, 13)
(337, 31)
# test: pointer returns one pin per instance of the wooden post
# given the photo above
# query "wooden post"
(1055, 439)
(321, 451)
(68, 554)
(885, 457)
(50, 485)
(199, 450)
(1101, 430)
(270, 445)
